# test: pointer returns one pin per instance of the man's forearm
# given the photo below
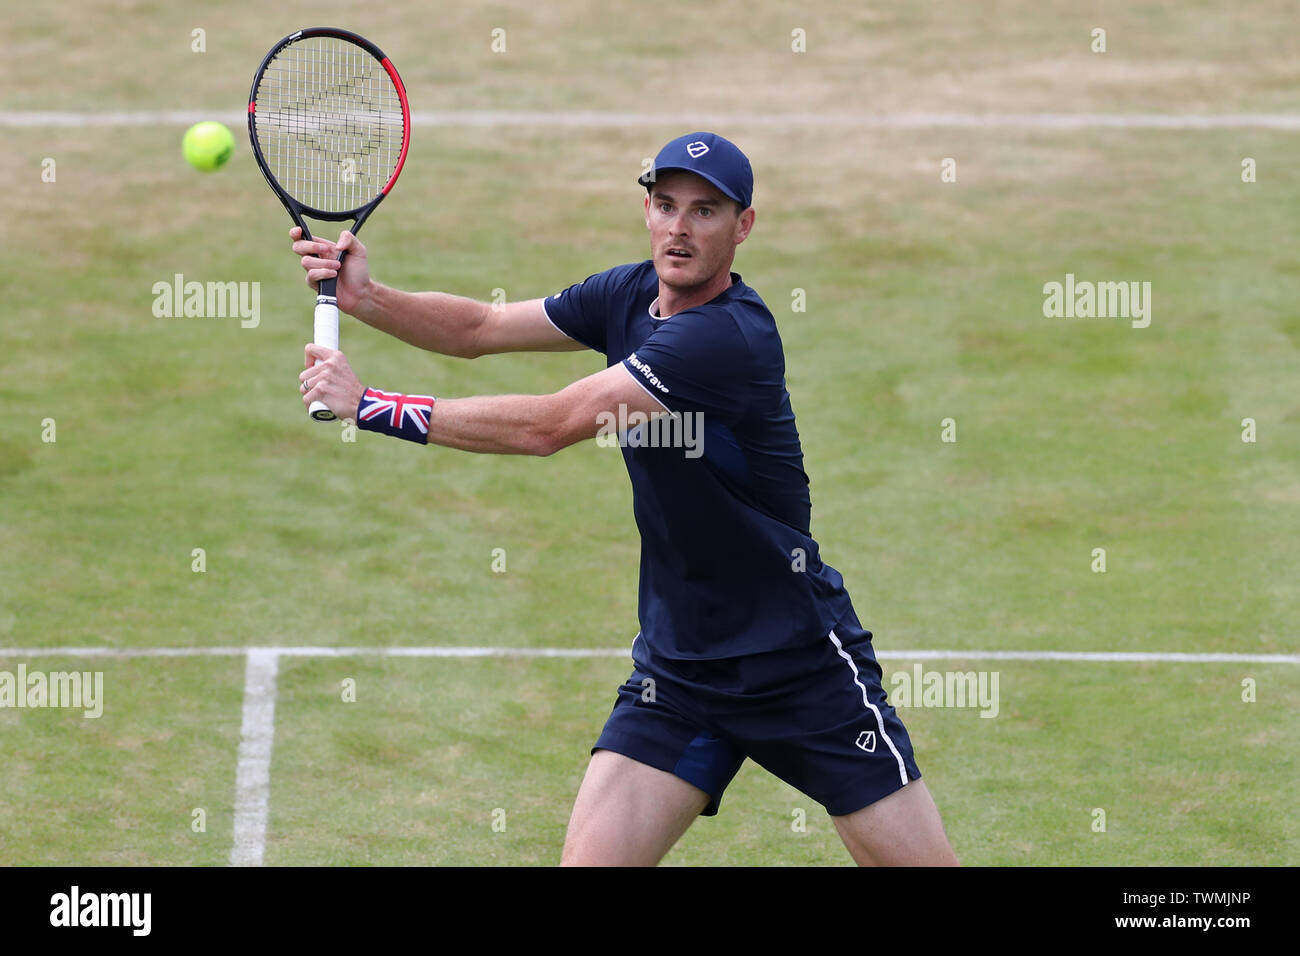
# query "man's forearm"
(498, 424)
(434, 321)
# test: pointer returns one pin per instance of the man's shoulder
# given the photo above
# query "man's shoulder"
(610, 281)
(748, 302)
(742, 310)
(630, 275)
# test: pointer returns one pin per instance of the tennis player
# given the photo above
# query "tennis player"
(748, 645)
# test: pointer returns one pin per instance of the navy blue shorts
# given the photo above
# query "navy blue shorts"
(815, 716)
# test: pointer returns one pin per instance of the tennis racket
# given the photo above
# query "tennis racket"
(329, 125)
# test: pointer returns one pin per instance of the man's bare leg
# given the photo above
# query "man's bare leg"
(628, 813)
(902, 829)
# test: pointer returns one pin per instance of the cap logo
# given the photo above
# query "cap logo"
(696, 149)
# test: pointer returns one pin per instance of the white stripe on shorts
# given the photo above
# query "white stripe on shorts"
(902, 770)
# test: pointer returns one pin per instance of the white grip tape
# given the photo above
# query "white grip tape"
(326, 333)
(326, 317)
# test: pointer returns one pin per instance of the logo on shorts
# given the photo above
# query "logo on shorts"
(867, 741)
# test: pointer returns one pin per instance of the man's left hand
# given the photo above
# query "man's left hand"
(331, 382)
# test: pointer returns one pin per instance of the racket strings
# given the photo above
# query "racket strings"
(330, 123)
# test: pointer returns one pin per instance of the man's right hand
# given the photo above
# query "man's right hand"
(320, 259)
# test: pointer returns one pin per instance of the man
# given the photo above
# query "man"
(749, 646)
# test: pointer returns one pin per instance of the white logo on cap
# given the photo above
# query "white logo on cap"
(696, 149)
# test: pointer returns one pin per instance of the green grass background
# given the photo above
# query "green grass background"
(924, 301)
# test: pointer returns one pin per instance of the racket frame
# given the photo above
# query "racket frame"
(326, 315)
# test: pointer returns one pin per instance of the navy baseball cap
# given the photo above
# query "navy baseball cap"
(708, 155)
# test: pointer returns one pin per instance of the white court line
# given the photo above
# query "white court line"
(595, 119)
(623, 652)
(253, 772)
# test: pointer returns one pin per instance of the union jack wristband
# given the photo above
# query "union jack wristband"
(402, 416)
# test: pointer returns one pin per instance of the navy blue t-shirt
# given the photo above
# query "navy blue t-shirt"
(728, 564)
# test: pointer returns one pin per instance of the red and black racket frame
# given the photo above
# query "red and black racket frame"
(327, 287)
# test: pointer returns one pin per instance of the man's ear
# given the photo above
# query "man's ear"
(647, 209)
(744, 224)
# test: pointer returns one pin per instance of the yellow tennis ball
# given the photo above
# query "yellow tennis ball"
(208, 145)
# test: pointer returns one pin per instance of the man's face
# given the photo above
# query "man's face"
(694, 229)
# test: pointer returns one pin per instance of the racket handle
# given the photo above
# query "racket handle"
(326, 333)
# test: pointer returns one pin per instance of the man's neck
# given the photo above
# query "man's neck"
(671, 301)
